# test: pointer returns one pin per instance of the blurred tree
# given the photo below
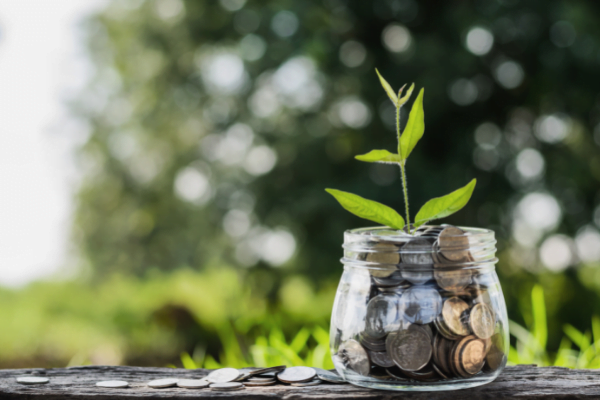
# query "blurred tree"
(215, 127)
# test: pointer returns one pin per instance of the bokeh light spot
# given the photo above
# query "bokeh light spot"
(509, 74)
(260, 160)
(530, 163)
(562, 34)
(352, 54)
(463, 92)
(396, 38)
(285, 23)
(556, 252)
(192, 186)
(552, 128)
(479, 41)
(588, 244)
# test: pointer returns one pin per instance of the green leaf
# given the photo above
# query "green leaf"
(380, 156)
(441, 207)
(414, 128)
(388, 89)
(403, 99)
(368, 209)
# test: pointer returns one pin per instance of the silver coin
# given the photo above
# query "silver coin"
(193, 383)
(113, 384)
(417, 252)
(356, 357)
(226, 386)
(269, 370)
(381, 358)
(263, 383)
(329, 376)
(163, 383)
(32, 380)
(420, 304)
(223, 375)
(260, 379)
(243, 376)
(382, 315)
(314, 382)
(296, 374)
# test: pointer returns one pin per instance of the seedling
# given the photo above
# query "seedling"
(436, 208)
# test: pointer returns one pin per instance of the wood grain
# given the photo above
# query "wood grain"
(521, 382)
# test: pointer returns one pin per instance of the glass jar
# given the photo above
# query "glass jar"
(419, 312)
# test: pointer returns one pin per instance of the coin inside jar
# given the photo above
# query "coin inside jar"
(356, 357)
(482, 321)
(472, 356)
(411, 349)
(385, 254)
(382, 315)
(381, 358)
(454, 244)
(417, 261)
(453, 312)
(420, 304)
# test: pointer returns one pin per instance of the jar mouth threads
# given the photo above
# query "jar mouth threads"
(432, 247)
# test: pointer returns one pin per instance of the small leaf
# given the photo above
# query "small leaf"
(388, 89)
(403, 99)
(380, 156)
(441, 207)
(414, 128)
(368, 209)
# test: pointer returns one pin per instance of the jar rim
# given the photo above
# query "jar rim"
(400, 236)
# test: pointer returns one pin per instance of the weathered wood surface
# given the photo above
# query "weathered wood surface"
(78, 383)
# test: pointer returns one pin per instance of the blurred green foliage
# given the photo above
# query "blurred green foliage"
(215, 125)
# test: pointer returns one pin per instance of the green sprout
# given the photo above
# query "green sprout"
(436, 208)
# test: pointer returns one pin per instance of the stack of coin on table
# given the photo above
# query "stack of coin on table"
(231, 379)
(429, 316)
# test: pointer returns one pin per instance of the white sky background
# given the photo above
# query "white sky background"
(41, 64)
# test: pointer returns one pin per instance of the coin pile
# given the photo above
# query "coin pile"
(429, 315)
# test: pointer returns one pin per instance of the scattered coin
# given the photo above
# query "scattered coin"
(329, 376)
(298, 374)
(32, 380)
(113, 384)
(314, 382)
(226, 386)
(268, 370)
(223, 375)
(260, 379)
(193, 383)
(356, 357)
(163, 383)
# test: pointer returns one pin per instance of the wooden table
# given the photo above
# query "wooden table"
(522, 382)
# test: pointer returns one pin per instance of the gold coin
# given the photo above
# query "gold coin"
(456, 361)
(453, 314)
(482, 321)
(472, 356)
(452, 280)
(454, 245)
(386, 256)
(442, 328)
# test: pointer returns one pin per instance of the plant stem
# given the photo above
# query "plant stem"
(402, 171)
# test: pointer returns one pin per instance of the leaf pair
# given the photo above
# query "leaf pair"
(436, 208)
